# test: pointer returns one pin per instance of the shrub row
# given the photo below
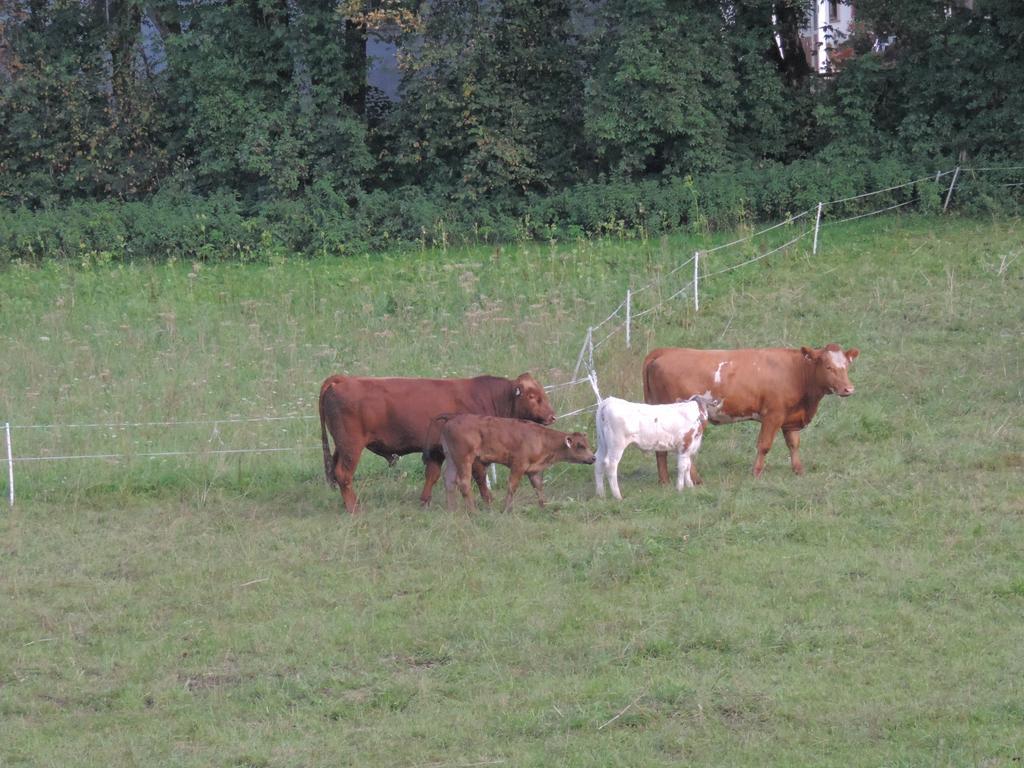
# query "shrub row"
(220, 227)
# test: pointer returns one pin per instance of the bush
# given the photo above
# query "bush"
(173, 225)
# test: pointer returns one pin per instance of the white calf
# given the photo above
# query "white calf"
(675, 427)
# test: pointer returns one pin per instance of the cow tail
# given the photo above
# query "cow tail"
(332, 481)
(437, 421)
(647, 380)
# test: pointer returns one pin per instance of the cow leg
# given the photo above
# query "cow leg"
(599, 470)
(432, 462)
(451, 481)
(537, 481)
(695, 478)
(793, 441)
(612, 460)
(514, 476)
(344, 469)
(465, 472)
(764, 444)
(662, 457)
(480, 476)
(683, 466)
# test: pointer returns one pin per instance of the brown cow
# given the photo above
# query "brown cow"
(391, 416)
(781, 388)
(525, 448)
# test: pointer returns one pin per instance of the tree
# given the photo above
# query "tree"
(949, 87)
(78, 117)
(491, 98)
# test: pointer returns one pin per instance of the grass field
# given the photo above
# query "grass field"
(224, 611)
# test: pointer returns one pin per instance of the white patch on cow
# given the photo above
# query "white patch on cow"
(838, 359)
(718, 371)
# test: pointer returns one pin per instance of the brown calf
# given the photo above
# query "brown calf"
(522, 446)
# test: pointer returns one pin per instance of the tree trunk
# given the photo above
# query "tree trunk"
(789, 53)
(356, 63)
(124, 18)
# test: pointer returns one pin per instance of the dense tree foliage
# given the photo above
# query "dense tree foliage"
(492, 98)
(264, 106)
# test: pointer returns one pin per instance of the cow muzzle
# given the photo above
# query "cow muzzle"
(845, 391)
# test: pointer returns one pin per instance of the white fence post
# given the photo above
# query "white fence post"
(696, 277)
(10, 462)
(817, 226)
(949, 195)
(629, 314)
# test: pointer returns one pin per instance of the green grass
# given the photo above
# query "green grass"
(225, 611)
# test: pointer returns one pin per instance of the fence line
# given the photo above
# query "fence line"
(676, 269)
(646, 311)
(765, 255)
(157, 454)
(573, 383)
(578, 411)
(613, 314)
(585, 361)
(187, 422)
(685, 289)
(993, 168)
(889, 189)
(790, 220)
(872, 213)
(611, 333)
(10, 463)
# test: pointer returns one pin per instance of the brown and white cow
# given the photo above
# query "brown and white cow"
(677, 427)
(522, 446)
(781, 388)
(391, 417)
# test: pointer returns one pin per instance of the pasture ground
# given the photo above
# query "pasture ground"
(224, 610)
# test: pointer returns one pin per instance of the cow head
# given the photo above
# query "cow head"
(832, 368)
(578, 449)
(708, 405)
(530, 401)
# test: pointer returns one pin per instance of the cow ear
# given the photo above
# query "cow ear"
(852, 354)
(568, 441)
(808, 352)
(518, 391)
